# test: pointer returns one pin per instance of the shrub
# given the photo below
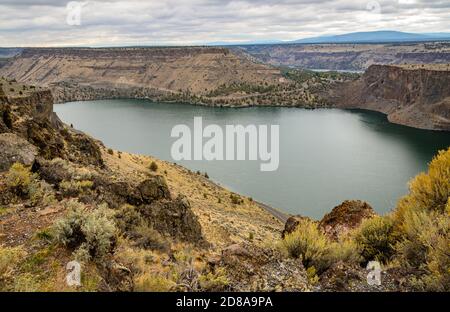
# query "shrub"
(9, 258)
(148, 238)
(41, 192)
(93, 233)
(153, 283)
(213, 281)
(68, 230)
(422, 224)
(346, 250)
(375, 238)
(153, 166)
(110, 151)
(429, 191)
(18, 178)
(308, 244)
(74, 188)
(426, 246)
(22, 182)
(127, 218)
(235, 199)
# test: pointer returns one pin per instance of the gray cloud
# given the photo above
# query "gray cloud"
(139, 22)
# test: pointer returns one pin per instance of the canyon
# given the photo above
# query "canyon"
(137, 223)
(416, 96)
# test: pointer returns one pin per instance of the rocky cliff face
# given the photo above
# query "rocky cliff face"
(416, 96)
(349, 56)
(32, 134)
(138, 72)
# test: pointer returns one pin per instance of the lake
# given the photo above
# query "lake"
(326, 155)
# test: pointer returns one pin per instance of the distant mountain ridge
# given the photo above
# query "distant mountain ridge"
(376, 36)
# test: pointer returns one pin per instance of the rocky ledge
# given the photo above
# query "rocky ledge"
(416, 96)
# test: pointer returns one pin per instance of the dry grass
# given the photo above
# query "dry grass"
(223, 222)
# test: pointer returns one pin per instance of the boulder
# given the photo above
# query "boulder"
(154, 188)
(174, 218)
(345, 217)
(15, 149)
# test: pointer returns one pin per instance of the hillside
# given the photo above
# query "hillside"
(136, 223)
(412, 95)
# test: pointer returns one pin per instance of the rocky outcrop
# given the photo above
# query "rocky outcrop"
(175, 218)
(253, 268)
(15, 149)
(416, 96)
(154, 188)
(338, 222)
(31, 117)
(345, 217)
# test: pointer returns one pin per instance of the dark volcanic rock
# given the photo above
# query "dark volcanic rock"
(175, 218)
(345, 217)
(154, 188)
(291, 224)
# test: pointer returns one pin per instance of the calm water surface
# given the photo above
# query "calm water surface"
(326, 156)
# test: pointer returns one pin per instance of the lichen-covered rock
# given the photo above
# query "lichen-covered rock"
(253, 268)
(345, 217)
(15, 149)
(175, 218)
(154, 188)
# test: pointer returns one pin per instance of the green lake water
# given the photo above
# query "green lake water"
(326, 155)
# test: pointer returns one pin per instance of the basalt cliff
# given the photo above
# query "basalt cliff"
(412, 95)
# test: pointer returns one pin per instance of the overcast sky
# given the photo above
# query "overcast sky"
(159, 22)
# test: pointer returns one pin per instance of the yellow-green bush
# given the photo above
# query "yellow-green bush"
(426, 246)
(422, 222)
(428, 191)
(308, 244)
(19, 178)
(9, 258)
(213, 281)
(73, 187)
(22, 182)
(153, 283)
(346, 250)
(375, 239)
